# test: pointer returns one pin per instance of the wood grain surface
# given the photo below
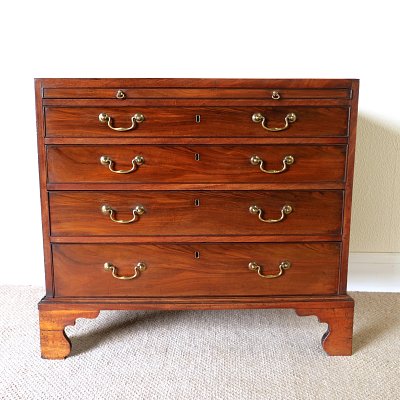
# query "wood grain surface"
(181, 121)
(194, 93)
(195, 269)
(196, 164)
(78, 213)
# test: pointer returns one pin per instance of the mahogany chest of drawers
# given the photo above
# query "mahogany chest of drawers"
(195, 194)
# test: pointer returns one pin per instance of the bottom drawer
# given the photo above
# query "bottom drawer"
(195, 269)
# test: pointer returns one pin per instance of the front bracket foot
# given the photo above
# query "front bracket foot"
(54, 342)
(337, 340)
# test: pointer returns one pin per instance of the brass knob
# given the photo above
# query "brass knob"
(140, 117)
(257, 117)
(252, 209)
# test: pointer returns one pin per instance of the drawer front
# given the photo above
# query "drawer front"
(195, 213)
(196, 121)
(193, 93)
(195, 269)
(195, 164)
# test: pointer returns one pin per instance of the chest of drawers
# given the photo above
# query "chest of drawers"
(192, 194)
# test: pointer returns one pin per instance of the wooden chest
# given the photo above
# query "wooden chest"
(195, 194)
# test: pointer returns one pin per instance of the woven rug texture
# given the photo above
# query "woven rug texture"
(240, 354)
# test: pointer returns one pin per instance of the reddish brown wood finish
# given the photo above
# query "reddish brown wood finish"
(44, 199)
(195, 164)
(174, 212)
(195, 269)
(195, 103)
(54, 343)
(337, 340)
(197, 239)
(197, 302)
(198, 93)
(349, 187)
(196, 186)
(323, 135)
(336, 311)
(193, 141)
(120, 83)
(181, 121)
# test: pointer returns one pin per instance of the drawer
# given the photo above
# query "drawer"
(195, 164)
(75, 213)
(194, 93)
(196, 121)
(195, 269)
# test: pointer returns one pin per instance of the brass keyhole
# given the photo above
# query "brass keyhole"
(197, 202)
(196, 254)
(198, 118)
(197, 157)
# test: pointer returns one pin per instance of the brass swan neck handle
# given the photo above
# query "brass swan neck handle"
(284, 265)
(139, 267)
(135, 120)
(259, 118)
(108, 210)
(287, 160)
(285, 210)
(108, 161)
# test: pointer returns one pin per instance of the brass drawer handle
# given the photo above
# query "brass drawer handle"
(136, 119)
(287, 160)
(105, 160)
(285, 210)
(253, 266)
(138, 210)
(289, 119)
(139, 267)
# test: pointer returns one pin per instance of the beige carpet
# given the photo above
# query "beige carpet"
(247, 354)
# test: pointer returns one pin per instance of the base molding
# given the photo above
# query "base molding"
(336, 311)
(374, 272)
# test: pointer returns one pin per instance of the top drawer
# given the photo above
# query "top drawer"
(129, 121)
(195, 93)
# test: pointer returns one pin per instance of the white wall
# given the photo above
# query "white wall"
(261, 39)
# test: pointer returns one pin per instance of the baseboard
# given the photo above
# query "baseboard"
(374, 272)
